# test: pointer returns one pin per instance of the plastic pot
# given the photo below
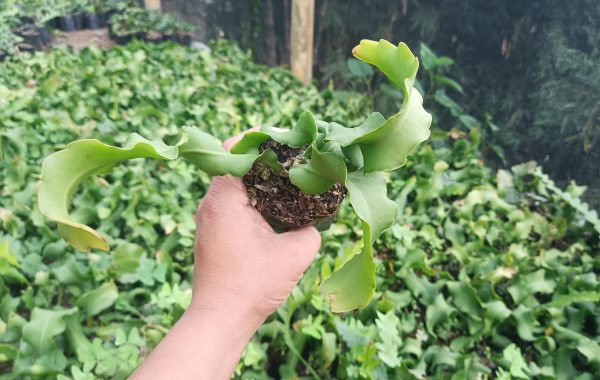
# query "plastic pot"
(54, 23)
(92, 21)
(45, 35)
(184, 38)
(103, 19)
(26, 48)
(123, 39)
(66, 23)
(170, 37)
(153, 37)
(31, 36)
(79, 21)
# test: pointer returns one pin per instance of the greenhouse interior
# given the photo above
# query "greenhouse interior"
(299, 189)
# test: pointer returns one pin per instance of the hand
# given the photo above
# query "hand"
(243, 272)
(241, 264)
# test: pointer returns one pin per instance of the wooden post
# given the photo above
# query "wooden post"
(303, 21)
(152, 4)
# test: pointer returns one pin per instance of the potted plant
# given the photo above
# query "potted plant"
(294, 177)
(167, 25)
(91, 16)
(66, 21)
(77, 11)
(40, 12)
(184, 33)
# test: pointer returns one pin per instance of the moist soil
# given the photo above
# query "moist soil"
(283, 204)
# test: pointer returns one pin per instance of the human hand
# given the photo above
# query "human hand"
(242, 266)
(243, 271)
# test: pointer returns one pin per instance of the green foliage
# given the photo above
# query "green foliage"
(489, 274)
(134, 19)
(382, 146)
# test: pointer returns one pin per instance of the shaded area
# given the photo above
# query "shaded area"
(533, 66)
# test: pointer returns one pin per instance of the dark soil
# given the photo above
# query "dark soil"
(280, 202)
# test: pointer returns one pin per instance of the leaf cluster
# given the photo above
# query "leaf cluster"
(489, 274)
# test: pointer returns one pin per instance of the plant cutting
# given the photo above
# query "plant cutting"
(294, 177)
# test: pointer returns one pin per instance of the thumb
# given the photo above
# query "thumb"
(305, 243)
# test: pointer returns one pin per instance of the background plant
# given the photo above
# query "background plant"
(486, 273)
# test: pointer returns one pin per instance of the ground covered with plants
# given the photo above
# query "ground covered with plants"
(486, 274)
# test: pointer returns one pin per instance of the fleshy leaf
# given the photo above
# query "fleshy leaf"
(352, 286)
(250, 142)
(386, 145)
(64, 170)
(397, 62)
(320, 173)
(43, 326)
(303, 133)
(346, 136)
(207, 153)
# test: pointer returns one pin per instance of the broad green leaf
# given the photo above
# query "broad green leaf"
(527, 325)
(126, 258)
(320, 173)
(97, 300)
(586, 346)
(207, 153)
(387, 147)
(303, 133)
(43, 326)
(438, 312)
(64, 170)
(568, 299)
(518, 366)
(77, 342)
(465, 298)
(346, 136)
(250, 142)
(397, 62)
(352, 285)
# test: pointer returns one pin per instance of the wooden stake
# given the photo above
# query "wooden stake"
(303, 21)
(152, 4)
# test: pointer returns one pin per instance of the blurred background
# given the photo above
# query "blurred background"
(530, 70)
(491, 270)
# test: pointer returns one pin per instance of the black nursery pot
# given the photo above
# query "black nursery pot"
(32, 36)
(103, 19)
(66, 23)
(92, 21)
(45, 35)
(79, 21)
(153, 37)
(184, 38)
(26, 48)
(123, 39)
(170, 37)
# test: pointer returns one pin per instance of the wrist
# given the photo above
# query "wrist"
(227, 303)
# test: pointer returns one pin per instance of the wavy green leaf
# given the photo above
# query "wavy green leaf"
(207, 153)
(320, 173)
(99, 299)
(64, 170)
(44, 325)
(352, 286)
(303, 133)
(346, 136)
(386, 145)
